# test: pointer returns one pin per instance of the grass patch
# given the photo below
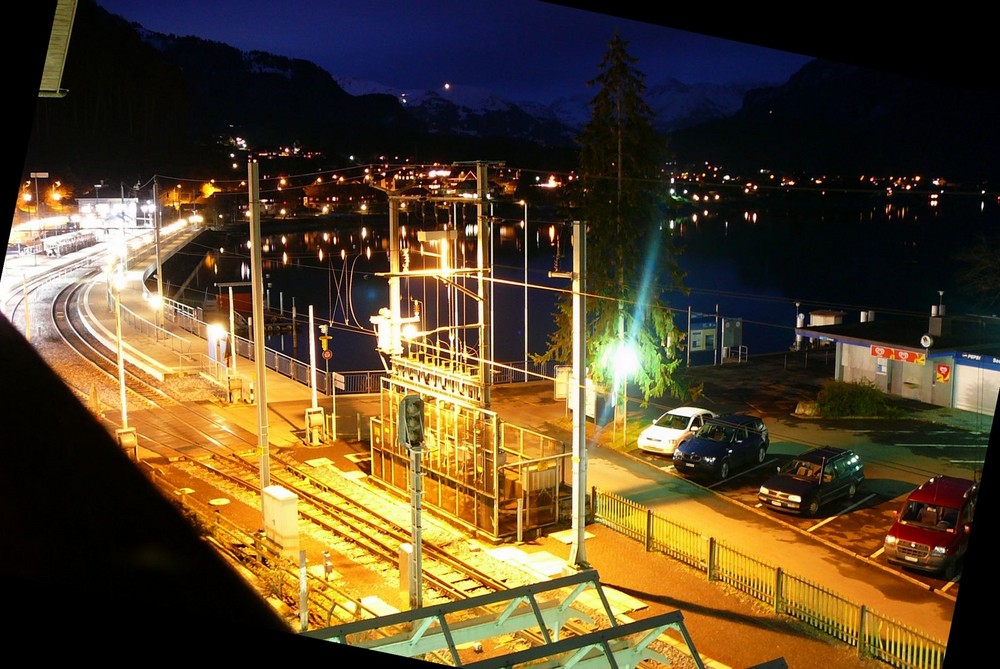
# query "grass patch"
(840, 399)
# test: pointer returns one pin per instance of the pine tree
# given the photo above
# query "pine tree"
(631, 257)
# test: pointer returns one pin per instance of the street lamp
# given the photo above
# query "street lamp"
(525, 203)
(151, 209)
(624, 361)
(36, 176)
(126, 436)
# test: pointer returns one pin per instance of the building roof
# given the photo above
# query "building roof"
(958, 334)
(55, 57)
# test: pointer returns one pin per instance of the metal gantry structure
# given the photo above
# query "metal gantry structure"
(498, 479)
(454, 633)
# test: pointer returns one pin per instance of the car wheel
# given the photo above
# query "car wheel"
(724, 469)
(852, 491)
(813, 507)
(761, 454)
(951, 570)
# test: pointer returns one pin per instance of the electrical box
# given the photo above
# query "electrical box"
(281, 518)
(315, 426)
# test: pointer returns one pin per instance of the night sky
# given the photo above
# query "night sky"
(520, 49)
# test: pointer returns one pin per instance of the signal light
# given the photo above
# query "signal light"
(410, 429)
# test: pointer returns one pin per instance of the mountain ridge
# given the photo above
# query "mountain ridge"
(141, 102)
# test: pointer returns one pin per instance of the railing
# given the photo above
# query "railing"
(735, 353)
(872, 634)
(355, 382)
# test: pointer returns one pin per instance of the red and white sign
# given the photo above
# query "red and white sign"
(898, 354)
(943, 373)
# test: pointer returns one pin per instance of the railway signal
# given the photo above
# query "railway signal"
(411, 422)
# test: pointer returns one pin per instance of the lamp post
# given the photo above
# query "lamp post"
(233, 381)
(121, 357)
(151, 209)
(525, 203)
(36, 176)
(126, 436)
(625, 363)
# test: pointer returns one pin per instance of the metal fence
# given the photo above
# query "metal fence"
(874, 635)
(191, 319)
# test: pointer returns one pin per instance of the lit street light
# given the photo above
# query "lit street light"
(36, 176)
(625, 361)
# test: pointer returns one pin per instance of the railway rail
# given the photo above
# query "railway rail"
(192, 442)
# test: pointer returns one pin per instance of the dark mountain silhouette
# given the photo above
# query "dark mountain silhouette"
(836, 118)
(143, 103)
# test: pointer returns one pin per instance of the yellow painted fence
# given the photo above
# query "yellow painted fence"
(872, 634)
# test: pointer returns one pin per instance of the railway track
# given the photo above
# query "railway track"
(69, 323)
(195, 443)
(354, 521)
(368, 526)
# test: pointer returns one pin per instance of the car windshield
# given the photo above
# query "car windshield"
(716, 432)
(803, 470)
(673, 421)
(930, 515)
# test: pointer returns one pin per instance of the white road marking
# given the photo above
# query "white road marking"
(831, 518)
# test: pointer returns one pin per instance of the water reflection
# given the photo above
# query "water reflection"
(858, 253)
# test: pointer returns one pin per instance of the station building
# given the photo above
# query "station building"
(948, 361)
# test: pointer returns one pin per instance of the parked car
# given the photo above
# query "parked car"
(722, 444)
(809, 481)
(672, 428)
(931, 530)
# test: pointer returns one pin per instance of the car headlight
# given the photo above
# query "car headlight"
(764, 491)
(890, 540)
(940, 550)
(709, 459)
(795, 498)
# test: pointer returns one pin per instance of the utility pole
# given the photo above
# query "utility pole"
(578, 397)
(257, 273)
(159, 262)
(485, 308)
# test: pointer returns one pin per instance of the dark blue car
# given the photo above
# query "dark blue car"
(722, 444)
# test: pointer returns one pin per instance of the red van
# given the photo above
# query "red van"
(931, 531)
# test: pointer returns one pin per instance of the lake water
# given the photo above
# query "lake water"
(749, 261)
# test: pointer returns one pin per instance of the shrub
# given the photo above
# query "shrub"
(838, 399)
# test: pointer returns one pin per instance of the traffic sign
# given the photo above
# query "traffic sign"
(327, 354)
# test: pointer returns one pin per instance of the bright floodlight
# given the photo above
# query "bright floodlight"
(625, 360)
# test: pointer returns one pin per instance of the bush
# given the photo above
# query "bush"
(838, 399)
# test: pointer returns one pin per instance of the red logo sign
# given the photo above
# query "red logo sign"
(898, 354)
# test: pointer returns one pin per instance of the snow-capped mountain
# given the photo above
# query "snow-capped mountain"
(472, 110)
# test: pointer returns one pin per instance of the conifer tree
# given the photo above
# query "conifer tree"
(621, 197)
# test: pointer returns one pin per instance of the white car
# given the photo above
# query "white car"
(672, 429)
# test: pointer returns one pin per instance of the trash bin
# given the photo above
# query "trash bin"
(604, 410)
